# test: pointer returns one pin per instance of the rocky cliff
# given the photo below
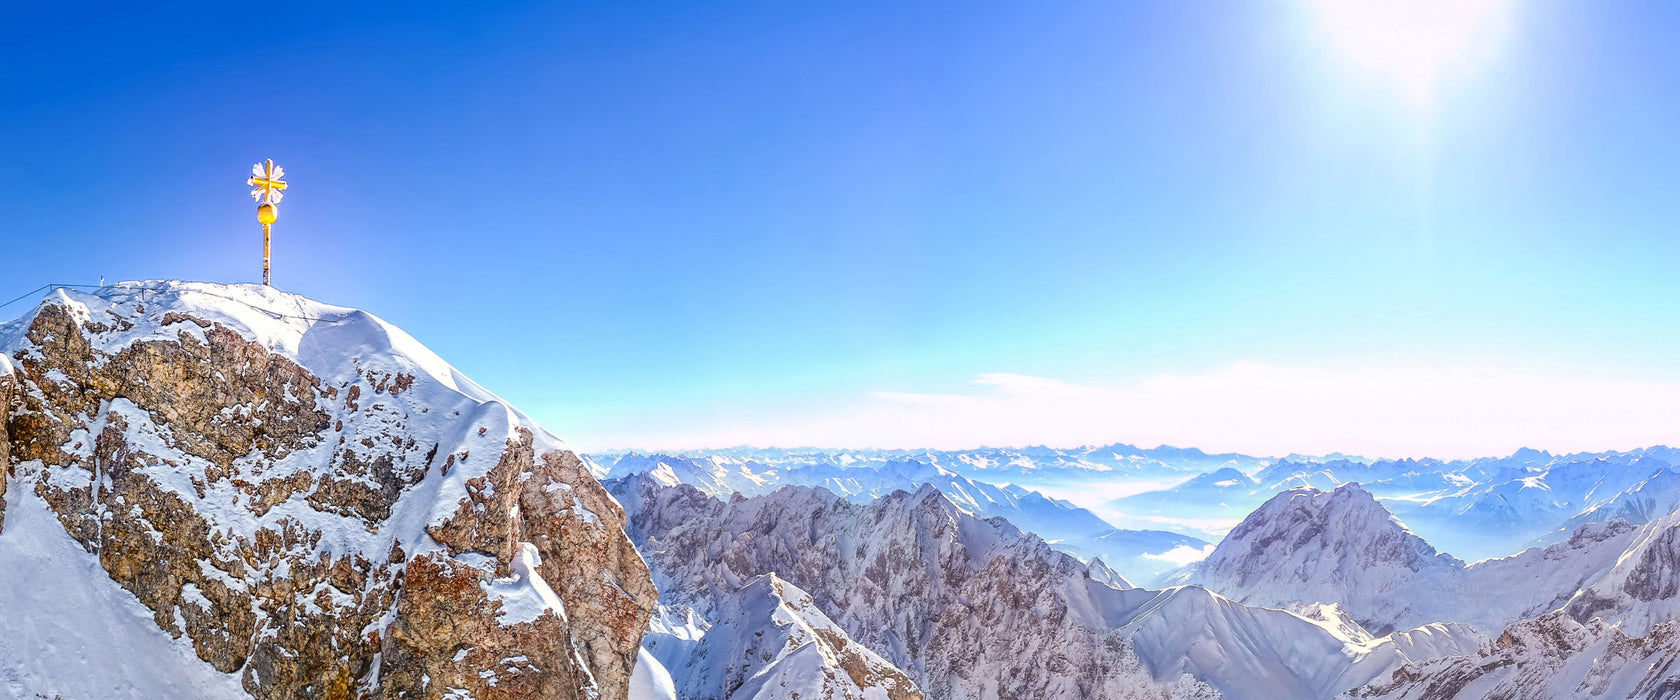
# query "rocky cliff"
(315, 501)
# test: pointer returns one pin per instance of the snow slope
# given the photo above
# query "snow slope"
(650, 680)
(1258, 653)
(61, 618)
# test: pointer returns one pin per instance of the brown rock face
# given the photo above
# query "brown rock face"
(305, 533)
(8, 380)
(564, 525)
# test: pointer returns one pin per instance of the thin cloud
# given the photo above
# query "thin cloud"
(1377, 410)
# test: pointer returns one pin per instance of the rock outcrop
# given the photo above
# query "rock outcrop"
(317, 502)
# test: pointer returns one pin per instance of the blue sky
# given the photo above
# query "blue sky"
(693, 224)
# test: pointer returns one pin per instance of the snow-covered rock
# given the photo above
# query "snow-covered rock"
(1639, 588)
(1107, 576)
(1553, 656)
(313, 501)
(769, 641)
(718, 476)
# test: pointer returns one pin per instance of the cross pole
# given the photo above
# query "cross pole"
(266, 189)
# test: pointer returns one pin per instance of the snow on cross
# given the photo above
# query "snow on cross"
(267, 188)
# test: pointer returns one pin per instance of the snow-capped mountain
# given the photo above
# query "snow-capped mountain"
(721, 476)
(1648, 500)
(1141, 553)
(1511, 507)
(890, 573)
(1342, 547)
(718, 476)
(967, 606)
(768, 641)
(299, 500)
(1474, 509)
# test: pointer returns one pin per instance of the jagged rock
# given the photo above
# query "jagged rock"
(966, 607)
(316, 501)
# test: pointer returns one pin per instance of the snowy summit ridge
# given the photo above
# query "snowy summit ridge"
(309, 496)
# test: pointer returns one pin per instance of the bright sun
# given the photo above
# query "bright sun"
(1412, 43)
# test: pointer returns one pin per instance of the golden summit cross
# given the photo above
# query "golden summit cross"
(267, 189)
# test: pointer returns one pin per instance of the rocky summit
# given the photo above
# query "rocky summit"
(308, 499)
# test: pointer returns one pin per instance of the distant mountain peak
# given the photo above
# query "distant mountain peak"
(1347, 519)
(1307, 545)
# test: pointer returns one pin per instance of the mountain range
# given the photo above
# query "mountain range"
(1140, 554)
(226, 491)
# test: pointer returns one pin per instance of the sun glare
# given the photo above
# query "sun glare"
(1412, 44)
